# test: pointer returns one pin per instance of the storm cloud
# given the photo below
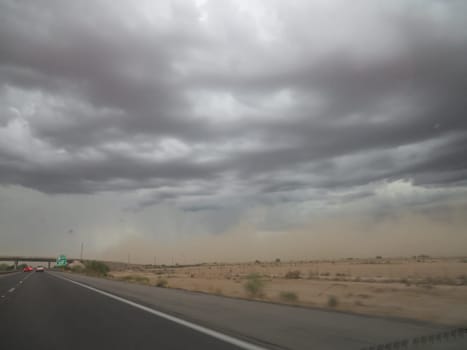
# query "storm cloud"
(209, 104)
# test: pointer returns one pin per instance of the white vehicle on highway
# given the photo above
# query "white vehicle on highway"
(40, 269)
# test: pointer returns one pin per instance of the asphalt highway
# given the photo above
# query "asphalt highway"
(45, 312)
(53, 310)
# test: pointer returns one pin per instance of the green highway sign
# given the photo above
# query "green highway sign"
(61, 260)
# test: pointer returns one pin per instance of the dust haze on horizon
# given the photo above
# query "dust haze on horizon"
(410, 236)
(233, 130)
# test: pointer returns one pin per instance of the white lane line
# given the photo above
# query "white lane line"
(11, 290)
(223, 337)
(25, 278)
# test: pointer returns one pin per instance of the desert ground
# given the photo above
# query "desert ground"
(421, 287)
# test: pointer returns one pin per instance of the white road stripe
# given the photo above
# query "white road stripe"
(225, 338)
(25, 278)
(11, 290)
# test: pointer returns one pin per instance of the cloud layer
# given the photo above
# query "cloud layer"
(205, 105)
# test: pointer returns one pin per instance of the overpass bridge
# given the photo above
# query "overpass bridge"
(17, 259)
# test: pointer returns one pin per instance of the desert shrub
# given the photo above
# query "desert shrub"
(295, 274)
(325, 274)
(288, 296)
(77, 269)
(254, 286)
(162, 282)
(96, 268)
(333, 301)
(445, 280)
(135, 278)
(426, 286)
(364, 296)
(405, 281)
(278, 260)
(6, 267)
(437, 281)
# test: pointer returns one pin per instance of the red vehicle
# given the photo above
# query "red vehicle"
(27, 269)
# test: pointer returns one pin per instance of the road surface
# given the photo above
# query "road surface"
(50, 311)
(44, 312)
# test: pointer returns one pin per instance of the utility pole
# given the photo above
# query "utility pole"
(81, 255)
(128, 259)
(155, 260)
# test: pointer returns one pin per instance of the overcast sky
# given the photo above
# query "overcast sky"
(165, 122)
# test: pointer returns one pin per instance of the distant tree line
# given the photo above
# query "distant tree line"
(6, 267)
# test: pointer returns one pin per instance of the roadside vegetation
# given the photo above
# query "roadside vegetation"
(295, 274)
(6, 267)
(333, 301)
(369, 286)
(254, 286)
(162, 282)
(134, 279)
(288, 296)
(91, 268)
(96, 268)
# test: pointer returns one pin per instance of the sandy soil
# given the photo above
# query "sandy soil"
(421, 288)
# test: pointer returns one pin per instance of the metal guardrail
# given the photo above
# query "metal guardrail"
(438, 340)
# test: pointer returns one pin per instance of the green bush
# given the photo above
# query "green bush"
(293, 274)
(288, 296)
(254, 285)
(135, 279)
(332, 301)
(77, 269)
(462, 279)
(6, 267)
(96, 268)
(162, 282)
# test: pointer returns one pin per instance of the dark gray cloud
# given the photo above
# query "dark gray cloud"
(224, 101)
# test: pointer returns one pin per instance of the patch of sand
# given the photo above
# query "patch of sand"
(424, 289)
